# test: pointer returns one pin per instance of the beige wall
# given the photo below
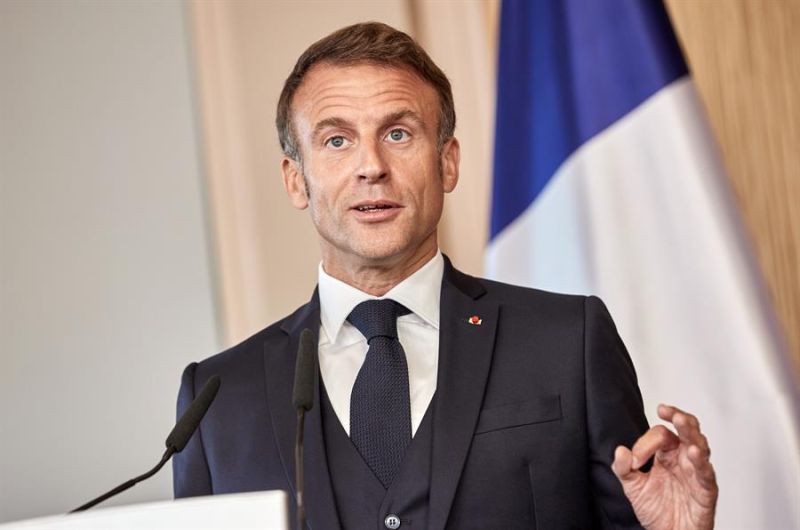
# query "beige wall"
(745, 57)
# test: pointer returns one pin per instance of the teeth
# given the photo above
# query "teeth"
(371, 207)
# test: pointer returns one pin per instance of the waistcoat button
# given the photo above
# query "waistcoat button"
(392, 522)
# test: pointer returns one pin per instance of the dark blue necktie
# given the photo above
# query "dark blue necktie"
(380, 408)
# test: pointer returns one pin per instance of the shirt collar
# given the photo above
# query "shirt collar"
(420, 293)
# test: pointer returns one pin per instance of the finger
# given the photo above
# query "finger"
(665, 411)
(656, 439)
(689, 429)
(687, 425)
(704, 471)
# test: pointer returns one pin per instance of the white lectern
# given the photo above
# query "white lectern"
(266, 510)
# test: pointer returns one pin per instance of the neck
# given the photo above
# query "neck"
(378, 278)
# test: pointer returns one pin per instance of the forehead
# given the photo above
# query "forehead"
(362, 91)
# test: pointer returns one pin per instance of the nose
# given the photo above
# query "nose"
(372, 165)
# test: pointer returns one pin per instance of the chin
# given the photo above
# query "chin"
(381, 251)
(379, 255)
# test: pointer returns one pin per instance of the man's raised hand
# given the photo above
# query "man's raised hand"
(680, 491)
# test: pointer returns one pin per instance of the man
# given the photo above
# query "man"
(444, 401)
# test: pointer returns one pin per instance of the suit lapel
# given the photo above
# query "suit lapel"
(465, 355)
(280, 367)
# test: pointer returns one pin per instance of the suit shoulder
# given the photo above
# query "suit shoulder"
(529, 296)
(547, 304)
(508, 294)
(253, 346)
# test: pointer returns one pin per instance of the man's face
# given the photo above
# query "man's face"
(371, 176)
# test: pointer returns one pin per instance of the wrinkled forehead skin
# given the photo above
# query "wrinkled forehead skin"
(331, 90)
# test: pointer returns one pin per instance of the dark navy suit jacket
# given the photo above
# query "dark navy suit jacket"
(529, 407)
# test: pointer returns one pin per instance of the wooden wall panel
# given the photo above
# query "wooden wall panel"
(745, 58)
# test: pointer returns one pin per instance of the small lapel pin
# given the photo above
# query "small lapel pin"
(475, 320)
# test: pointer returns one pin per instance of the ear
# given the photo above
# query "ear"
(294, 183)
(451, 158)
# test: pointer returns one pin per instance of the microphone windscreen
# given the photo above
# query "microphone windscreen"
(303, 396)
(191, 418)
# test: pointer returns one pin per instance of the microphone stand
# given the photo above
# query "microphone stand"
(129, 484)
(176, 441)
(298, 469)
(303, 400)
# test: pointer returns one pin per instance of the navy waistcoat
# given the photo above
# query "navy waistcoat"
(361, 500)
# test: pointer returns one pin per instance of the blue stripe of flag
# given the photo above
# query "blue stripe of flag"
(567, 70)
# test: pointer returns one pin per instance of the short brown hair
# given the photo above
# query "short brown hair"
(370, 43)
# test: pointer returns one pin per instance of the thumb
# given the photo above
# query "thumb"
(622, 466)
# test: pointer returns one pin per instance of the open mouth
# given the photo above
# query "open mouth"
(373, 207)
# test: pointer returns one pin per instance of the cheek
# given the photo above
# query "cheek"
(424, 172)
(323, 198)
(435, 204)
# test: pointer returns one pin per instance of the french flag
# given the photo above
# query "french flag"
(607, 181)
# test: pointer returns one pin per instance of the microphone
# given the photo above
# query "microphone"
(176, 441)
(303, 401)
(191, 418)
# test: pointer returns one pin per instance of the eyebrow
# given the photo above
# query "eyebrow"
(341, 123)
(405, 114)
(336, 123)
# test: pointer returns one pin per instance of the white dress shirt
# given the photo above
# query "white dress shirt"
(342, 348)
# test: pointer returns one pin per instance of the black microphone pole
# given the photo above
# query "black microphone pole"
(303, 401)
(176, 440)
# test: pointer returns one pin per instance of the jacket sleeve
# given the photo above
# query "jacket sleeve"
(614, 412)
(190, 473)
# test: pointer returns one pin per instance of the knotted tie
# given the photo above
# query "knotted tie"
(380, 409)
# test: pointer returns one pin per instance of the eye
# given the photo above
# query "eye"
(337, 142)
(397, 135)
